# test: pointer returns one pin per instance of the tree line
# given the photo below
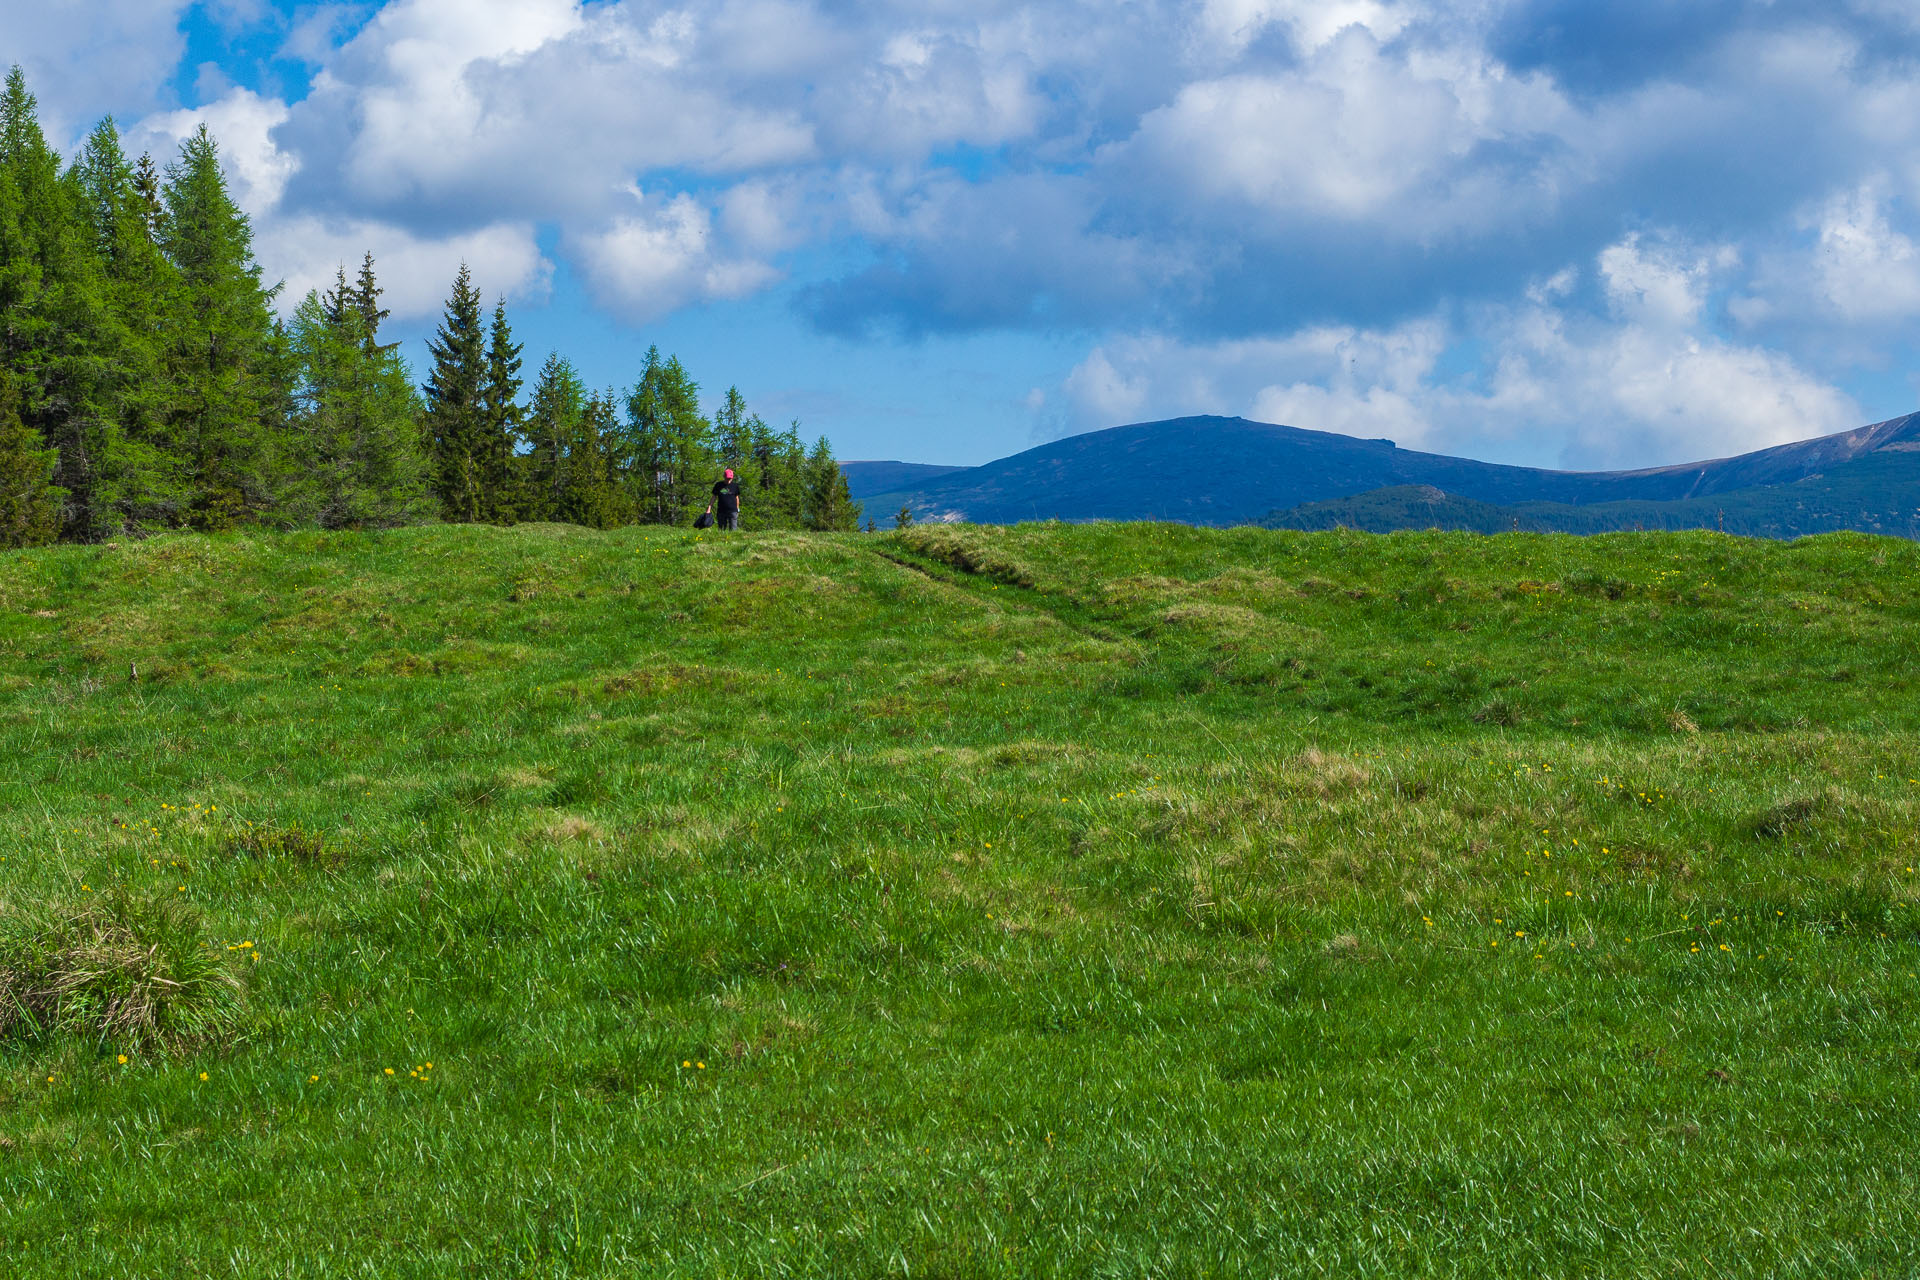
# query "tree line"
(147, 384)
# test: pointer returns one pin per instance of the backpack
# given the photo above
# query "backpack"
(705, 521)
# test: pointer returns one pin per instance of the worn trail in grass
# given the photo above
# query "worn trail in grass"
(1107, 900)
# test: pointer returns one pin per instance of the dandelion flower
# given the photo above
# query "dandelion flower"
(123, 1059)
(203, 1075)
(389, 1070)
(313, 1079)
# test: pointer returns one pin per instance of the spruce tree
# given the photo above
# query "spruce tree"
(150, 488)
(29, 502)
(551, 425)
(146, 186)
(500, 417)
(779, 463)
(226, 359)
(830, 507)
(666, 454)
(55, 324)
(455, 417)
(355, 426)
(366, 301)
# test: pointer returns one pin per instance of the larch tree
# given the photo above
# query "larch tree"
(150, 488)
(226, 360)
(356, 425)
(54, 318)
(29, 501)
(666, 448)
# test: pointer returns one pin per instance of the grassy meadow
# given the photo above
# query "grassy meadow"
(1110, 900)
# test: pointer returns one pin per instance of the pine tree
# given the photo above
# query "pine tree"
(149, 487)
(455, 413)
(146, 185)
(552, 422)
(226, 358)
(366, 301)
(355, 426)
(903, 518)
(732, 436)
(829, 505)
(29, 502)
(500, 414)
(779, 464)
(55, 323)
(666, 454)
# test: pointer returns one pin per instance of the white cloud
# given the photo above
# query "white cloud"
(1648, 383)
(1659, 286)
(416, 273)
(647, 264)
(1355, 133)
(1867, 271)
(85, 58)
(305, 250)
(1309, 23)
(242, 124)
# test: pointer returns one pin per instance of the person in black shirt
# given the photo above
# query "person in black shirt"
(726, 500)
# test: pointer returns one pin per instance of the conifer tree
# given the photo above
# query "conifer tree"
(150, 488)
(355, 426)
(146, 186)
(29, 502)
(830, 507)
(666, 451)
(732, 437)
(56, 327)
(552, 423)
(455, 417)
(225, 357)
(779, 461)
(366, 301)
(593, 499)
(500, 416)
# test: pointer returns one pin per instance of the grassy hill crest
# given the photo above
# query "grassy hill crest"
(1130, 899)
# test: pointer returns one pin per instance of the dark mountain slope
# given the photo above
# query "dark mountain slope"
(864, 479)
(1875, 493)
(1211, 470)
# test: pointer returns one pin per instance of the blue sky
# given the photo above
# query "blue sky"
(1563, 232)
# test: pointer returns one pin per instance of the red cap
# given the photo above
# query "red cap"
(729, 473)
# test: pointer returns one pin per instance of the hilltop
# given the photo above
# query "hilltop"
(1225, 471)
(1135, 899)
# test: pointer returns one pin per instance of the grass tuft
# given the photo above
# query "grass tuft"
(115, 971)
(291, 844)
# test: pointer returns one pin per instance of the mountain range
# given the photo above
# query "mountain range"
(1227, 471)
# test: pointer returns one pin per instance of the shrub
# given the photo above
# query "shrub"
(114, 970)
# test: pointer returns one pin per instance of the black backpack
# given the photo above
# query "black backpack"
(705, 521)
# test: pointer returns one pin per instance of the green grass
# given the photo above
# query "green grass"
(1114, 900)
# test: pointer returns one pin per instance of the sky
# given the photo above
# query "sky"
(1570, 233)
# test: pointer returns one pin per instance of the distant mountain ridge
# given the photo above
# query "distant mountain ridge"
(864, 479)
(1220, 471)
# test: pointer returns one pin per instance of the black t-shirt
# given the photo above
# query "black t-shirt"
(726, 494)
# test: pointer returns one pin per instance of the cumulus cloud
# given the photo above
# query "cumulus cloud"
(305, 250)
(1641, 380)
(242, 125)
(662, 257)
(87, 57)
(1322, 209)
(415, 272)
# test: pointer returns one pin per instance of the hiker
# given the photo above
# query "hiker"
(726, 496)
